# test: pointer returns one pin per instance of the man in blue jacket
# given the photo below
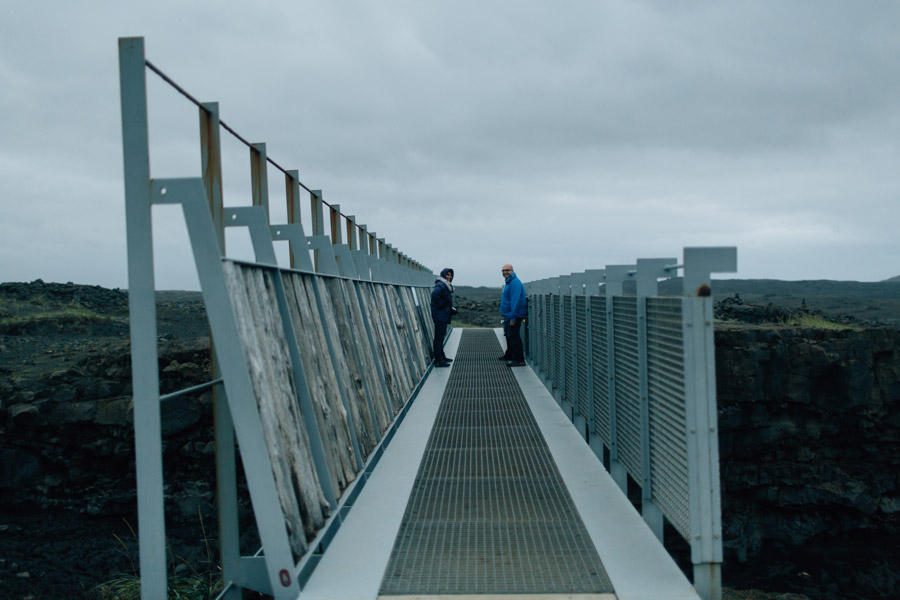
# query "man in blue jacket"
(442, 312)
(513, 308)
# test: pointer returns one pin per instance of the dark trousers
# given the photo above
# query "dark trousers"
(514, 349)
(440, 331)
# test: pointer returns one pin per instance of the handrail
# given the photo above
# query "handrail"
(636, 376)
(386, 249)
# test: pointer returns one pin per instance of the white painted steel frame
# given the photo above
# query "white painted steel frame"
(201, 202)
(699, 400)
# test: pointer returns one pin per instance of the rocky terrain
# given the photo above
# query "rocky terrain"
(809, 423)
(809, 420)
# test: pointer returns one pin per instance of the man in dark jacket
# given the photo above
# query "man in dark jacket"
(442, 312)
(513, 308)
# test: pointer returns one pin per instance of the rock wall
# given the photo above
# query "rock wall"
(68, 515)
(69, 434)
(809, 438)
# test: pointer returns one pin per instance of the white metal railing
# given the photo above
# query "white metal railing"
(635, 373)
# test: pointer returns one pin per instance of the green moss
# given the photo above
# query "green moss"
(21, 316)
(820, 322)
(128, 587)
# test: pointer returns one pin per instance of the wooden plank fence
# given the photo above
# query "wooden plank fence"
(355, 389)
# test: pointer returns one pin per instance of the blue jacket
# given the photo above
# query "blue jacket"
(513, 304)
(441, 303)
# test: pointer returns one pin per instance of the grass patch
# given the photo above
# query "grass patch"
(820, 322)
(23, 317)
(128, 587)
(195, 585)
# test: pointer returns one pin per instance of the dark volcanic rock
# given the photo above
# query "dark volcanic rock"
(810, 456)
(809, 437)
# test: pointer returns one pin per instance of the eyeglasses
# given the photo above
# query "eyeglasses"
(506, 270)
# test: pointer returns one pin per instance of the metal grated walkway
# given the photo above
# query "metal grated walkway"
(489, 513)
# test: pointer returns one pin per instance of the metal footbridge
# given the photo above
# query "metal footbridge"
(373, 475)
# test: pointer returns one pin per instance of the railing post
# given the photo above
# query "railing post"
(576, 293)
(361, 252)
(334, 215)
(211, 166)
(615, 277)
(535, 315)
(593, 279)
(372, 258)
(142, 314)
(351, 233)
(649, 270)
(565, 299)
(318, 221)
(259, 177)
(292, 193)
(552, 333)
(540, 345)
(701, 415)
(390, 263)
(337, 244)
(387, 275)
(226, 460)
(370, 244)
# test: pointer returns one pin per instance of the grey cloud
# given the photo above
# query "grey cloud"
(562, 137)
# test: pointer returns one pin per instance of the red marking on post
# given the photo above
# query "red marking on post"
(285, 578)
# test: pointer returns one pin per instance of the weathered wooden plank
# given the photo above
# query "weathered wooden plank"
(265, 349)
(425, 310)
(359, 322)
(401, 327)
(321, 379)
(401, 342)
(347, 367)
(397, 354)
(411, 315)
(292, 423)
(382, 348)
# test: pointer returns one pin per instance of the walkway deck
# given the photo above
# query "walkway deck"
(505, 499)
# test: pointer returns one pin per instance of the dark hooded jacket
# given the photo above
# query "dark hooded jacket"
(441, 301)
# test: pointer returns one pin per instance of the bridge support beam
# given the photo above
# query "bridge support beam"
(708, 580)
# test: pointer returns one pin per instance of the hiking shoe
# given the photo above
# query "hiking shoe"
(515, 363)
(442, 364)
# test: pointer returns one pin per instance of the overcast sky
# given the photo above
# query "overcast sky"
(559, 136)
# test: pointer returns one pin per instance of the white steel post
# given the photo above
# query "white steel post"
(576, 294)
(615, 277)
(226, 461)
(142, 314)
(292, 198)
(593, 279)
(701, 415)
(259, 177)
(649, 270)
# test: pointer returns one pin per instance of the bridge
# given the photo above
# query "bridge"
(373, 475)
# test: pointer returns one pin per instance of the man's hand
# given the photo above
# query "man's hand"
(512, 321)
